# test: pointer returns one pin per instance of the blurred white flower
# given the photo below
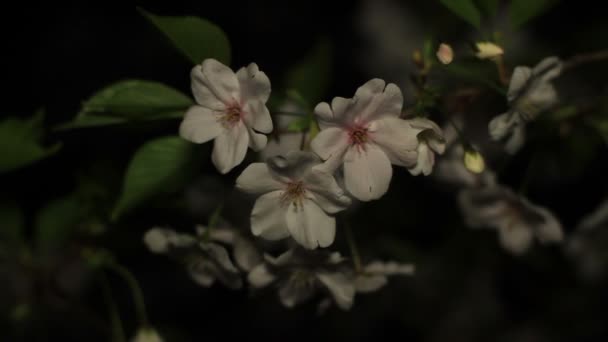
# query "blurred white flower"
(445, 54)
(530, 93)
(283, 141)
(517, 220)
(488, 50)
(296, 199)
(430, 141)
(205, 259)
(231, 108)
(147, 334)
(365, 135)
(301, 274)
(375, 274)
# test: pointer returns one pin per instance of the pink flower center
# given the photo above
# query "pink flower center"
(231, 115)
(294, 194)
(358, 135)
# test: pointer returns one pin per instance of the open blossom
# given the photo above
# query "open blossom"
(365, 135)
(296, 199)
(430, 141)
(231, 108)
(301, 274)
(517, 220)
(205, 259)
(375, 275)
(530, 93)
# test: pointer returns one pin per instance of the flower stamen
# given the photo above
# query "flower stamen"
(294, 194)
(231, 115)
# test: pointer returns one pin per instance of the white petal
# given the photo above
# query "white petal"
(257, 141)
(341, 288)
(260, 276)
(268, 217)
(294, 292)
(515, 237)
(254, 83)
(221, 265)
(257, 179)
(230, 148)
(398, 140)
(485, 207)
(516, 140)
(246, 255)
(550, 229)
(326, 192)
(202, 276)
(503, 124)
(220, 79)
(542, 97)
(283, 144)
(257, 116)
(325, 115)
(200, 125)
(310, 226)
(367, 173)
(426, 160)
(521, 76)
(329, 142)
(370, 283)
(156, 240)
(548, 69)
(295, 165)
(373, 101)
(202, 90)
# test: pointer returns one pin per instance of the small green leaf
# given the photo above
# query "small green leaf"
(160, 166)
(11, 223)
(489, 7)
(56, 222)
(311, 76)
(130, 100)
(196, 38)
(522, 11)
(20, 142)
(466, 10)
(300, 124)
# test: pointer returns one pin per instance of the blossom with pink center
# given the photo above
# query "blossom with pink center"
(231, 108)
(365, 135)
(296, 199)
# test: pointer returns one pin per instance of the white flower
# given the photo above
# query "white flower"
(430, 141)
(530, 93)
(301, 274)
(488, 50)
(147, 334)
(231, 108)
(296, 199)
(517, 220)
(375, 274)
(366, 135)
(445, 54)
(205, 259)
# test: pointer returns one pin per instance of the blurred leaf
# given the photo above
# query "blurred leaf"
(12, 223)
(300, 124)
(160, 166)
(466, 10)
(563, 113)
(428, 52)
(196, 38)
(475, 71)
(600, 124)
(312, 75)
(19, 142)
(489, 7)
(130, 100)
(56, 222)
(522, 11)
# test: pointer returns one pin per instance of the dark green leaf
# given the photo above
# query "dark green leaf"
(160, 166)
(466, 10)
(522, 11)
(20, 142)
(478, 72)
(56, 222)
(489, 7)
(196, 38)
(312, 75)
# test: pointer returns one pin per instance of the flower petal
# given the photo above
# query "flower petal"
(260, 276)
(329, 142)
(341, 288)
(202, 91)
(326, 192)
(257, 179)
(230, 148)
(485, 207)
(200, 125)
(223, 268)
(219, 79)
(156, 239)
(503, 124)
(257, 141)
(201, 274)
(548, 69)
(367, 173)
(373, 101)
(515, 237)
(521, 76)
(516, 140)
(295, 291)
(257, 116)
(254, 83)
(369, 283)
(549, 229)
(268, 217)
(310, 226)
(294, 166)
(398, 140)
(246, 255)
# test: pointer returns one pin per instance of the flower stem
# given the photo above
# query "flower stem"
(502, 70)
(138, 296)
(584, 58)
(353, 248)
(118, 333)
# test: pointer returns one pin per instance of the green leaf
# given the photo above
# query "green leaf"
(522, 11)
(466, 10)
(56, 222)
(12, 223)
(300, 124)
(130, 100)
(196, 38)
(20, 142)
(311, 76)
(489, 7)
(160, 166)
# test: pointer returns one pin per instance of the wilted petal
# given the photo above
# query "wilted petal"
(340, 287)
(200, 125)
(257, 179)
(329, 142)
(254, 84)
(398, 140)
(230, 148)
(367, 173)
(260, 276)
(310, 226)
(268, 217)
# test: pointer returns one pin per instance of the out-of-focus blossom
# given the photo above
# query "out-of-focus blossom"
(231, 108)
(375, 274)
(488, 50)
(430, 141)
(517, 220)
(147, 334)
(296, 199)
(445, 54)
(473, 161)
